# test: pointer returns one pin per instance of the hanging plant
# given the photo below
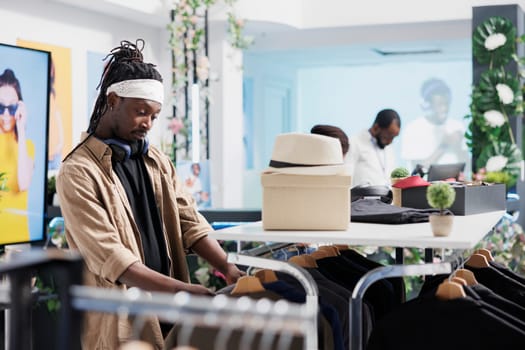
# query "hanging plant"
(497, 97)
(191, 67)
(494, 41)
(501, 157)
(497, 90)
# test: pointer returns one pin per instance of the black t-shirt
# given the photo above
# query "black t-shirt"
(134, 177)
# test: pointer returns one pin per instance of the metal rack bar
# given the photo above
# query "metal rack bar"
(67, 267)
(195, 309)
(374, 275)
(312, 293)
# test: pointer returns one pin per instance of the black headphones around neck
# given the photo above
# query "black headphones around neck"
(123, 150)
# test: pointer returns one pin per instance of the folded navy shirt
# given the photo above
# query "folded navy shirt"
(375, 211)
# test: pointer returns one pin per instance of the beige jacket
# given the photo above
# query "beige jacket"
(99, 224)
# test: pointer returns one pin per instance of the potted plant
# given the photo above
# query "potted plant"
(51, 189)
(397, 174)
(441, 195)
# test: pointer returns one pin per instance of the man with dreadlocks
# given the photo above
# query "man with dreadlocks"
(126, 211)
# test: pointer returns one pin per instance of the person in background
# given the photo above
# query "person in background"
(434, 137)
(124, 206)
(371, 157)
(194, 185)
(16, 159)
(332, 131)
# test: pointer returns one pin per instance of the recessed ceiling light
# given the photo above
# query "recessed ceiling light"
(393, 52)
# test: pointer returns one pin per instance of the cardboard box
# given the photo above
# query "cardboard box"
(470, 199)
(305, 202)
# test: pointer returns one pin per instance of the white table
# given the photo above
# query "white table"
(466, 233)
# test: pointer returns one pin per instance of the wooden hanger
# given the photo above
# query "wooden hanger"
(331, 250)
(449, 290)
(342, 246)
(459, 280)
(467, 275)
(247, 284)
(266, 275)
(485, 252)
(320, 254)
(304, 260)
(477, 260)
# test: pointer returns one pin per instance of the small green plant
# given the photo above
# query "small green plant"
(399, 173)
(3, 182)
(51, 184)
(440, 195)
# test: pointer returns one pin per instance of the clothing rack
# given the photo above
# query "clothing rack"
(67, 268)
(374, 275)
(306, 280)
(274, 317)
(226, 313)
(267, 247)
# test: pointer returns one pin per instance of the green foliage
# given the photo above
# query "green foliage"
(507, 244)
(503, 54)
(494, 46)
(508, 151)
(3, 182)
(500, 177)
(51, 184)
(235, 28)
(208, 276)
(399, 172)
(440, 195)
(47, 295)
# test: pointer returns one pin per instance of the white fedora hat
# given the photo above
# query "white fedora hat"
(307, 154)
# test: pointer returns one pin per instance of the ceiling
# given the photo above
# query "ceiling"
(333, 45)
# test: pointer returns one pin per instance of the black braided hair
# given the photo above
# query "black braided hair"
(125, 63)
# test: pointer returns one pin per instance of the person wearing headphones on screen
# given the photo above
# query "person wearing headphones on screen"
(124, 207)
(435, 137)
(371, 157)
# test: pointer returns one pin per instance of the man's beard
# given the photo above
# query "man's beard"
(379, 143)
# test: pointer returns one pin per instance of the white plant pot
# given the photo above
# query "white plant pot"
(441, 225)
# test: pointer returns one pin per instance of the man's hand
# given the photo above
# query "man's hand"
(233, 273)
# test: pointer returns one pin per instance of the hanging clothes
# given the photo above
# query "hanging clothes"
(425, 323)
(293, 294)
(499, 283)
(346, 273)
(478, 292)
(508, 272)
(205, 338)
(332, 294)
(397, 282)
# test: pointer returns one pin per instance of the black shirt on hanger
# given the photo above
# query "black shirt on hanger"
(499, 283)
(432, 324)
(508, 272)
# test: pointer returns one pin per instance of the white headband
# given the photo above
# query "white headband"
(148, 89)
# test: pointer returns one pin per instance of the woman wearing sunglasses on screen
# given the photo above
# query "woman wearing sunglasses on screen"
(16, 156)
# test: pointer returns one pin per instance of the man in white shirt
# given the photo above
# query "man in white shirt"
(371, 157)
(434, 137)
